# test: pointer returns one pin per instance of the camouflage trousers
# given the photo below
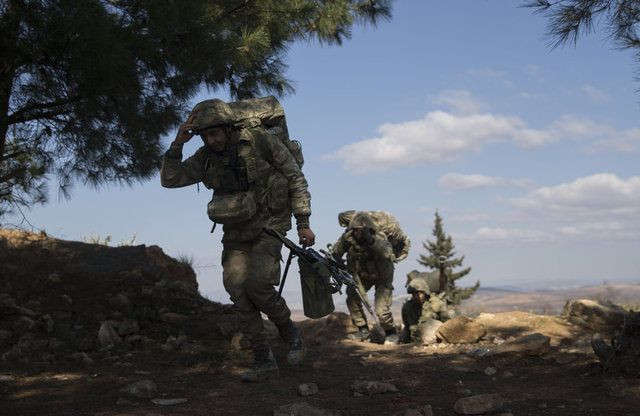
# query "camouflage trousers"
(250, 272)
(382, 302)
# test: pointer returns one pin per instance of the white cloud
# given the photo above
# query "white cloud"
(595, 195)
(595, 95)
(533, 71)
(443, 136)
(438, 137)
(459, 181)
(459, 101)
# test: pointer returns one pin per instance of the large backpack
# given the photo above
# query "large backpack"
(252, 113)
(388, 225)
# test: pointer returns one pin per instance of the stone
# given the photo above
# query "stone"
(81, 357)
(107, 335)
(408, 412)
(68, 300)
(240, 342)
(479, 404)
(144, 389)
(461, 330)
(54, 278)
(49, 325)
(23, 324)
(490, 371)
(5, 378)
(307, 389)
(173, 318)
(5, 337)
(120, 301)
(599, 317)
(168, 402)
(303, 409)
(128, 327)
(532, 344)
(428, 331)
(372, 387)
(124, 402)
(427, 410)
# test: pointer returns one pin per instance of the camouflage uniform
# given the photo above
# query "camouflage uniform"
(373, 264)
(415, 313)
(259, 163)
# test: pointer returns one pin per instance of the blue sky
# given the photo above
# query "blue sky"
(529, 154)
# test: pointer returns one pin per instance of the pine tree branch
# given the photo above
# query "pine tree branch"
(25, 113)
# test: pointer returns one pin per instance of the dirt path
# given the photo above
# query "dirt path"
(559, 383)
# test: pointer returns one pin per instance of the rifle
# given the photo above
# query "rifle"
(326, 266)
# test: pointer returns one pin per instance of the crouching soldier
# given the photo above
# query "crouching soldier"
(256, 183)
(424, 308)
(370, 260)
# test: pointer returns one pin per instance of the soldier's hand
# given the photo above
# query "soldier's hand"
(307, 237)
(185, 132)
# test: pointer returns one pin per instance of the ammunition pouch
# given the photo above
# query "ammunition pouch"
(231, 208)
(317, 299)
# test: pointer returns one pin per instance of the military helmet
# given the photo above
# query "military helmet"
(362, 220)
(212, 113)
(418, 285)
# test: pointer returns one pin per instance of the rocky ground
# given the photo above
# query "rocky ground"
(94, 330)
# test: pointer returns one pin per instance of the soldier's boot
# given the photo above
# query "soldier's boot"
(391, 336)
(264, 364)
(292, 337)
(363, 334)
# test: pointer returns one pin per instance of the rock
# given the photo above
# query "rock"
(81, 357)
(54, 278)
(23, 324)
(120, 301)
(168, 402)
(478, 405)
(533, 344)
(48, 323)
(128, 327)
(408, 412)
(173, 318)
(107, 335)
(5, 378)
(68, 300)
(428, 331)
(240, 342)
(372, 387)
(599, 317)
(144, 389)
(461, 330)
(427, 411)
(307, 389)
(490, 371)
(303, 409)
(5, 337)
(124, 402)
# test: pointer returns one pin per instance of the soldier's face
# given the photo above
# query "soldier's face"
(419, 297)
(215, 138)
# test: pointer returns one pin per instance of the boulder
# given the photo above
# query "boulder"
(532, 344)
(461, 330)
(107, 335)
(479, 404)
(599, 317)
(173, 318)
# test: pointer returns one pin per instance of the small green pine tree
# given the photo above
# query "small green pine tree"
(442, 256)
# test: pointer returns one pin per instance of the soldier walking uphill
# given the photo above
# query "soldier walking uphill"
(256, 183)
(370, 258)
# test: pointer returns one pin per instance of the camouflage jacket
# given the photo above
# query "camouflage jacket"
(374, 261)
(272, 174)
(415, 314)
